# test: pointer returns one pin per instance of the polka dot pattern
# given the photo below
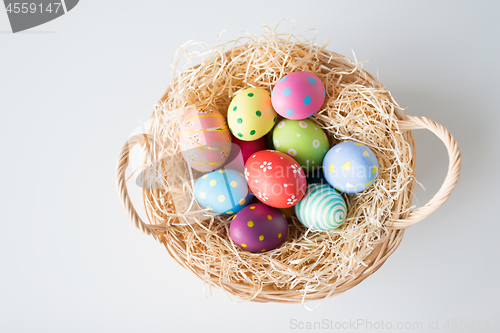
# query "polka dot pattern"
(225, 191)
(260, 229)
(350, 167)
(302, 140)
(253, 115)
(300, 95)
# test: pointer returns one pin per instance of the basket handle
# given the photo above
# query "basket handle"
(451, 179)
(121, 182)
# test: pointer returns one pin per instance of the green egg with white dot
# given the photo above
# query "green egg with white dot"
(250, 115)
(302, 139)
(224, 191)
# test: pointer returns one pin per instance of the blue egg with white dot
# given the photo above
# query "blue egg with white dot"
(224, 191)
(350, 167)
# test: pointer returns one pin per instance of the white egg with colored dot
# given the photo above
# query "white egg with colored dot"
(224, 191)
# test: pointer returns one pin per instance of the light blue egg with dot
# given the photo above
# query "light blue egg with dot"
(350, 167)
(223, 191)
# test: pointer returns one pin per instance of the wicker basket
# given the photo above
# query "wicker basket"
(400, 217)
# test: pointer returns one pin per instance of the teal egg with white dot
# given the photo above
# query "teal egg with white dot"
(321, 208)
(302, 139)
(223, 191)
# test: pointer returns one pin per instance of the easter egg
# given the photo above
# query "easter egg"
(275, 178)
(204, 138)
(298, 95)
(258, 228)
(350, 167)
(248, 148)
(224, 191)
(321, 208)
(250, 114)
(301, 139)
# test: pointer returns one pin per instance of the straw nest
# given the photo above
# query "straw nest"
(309, 265)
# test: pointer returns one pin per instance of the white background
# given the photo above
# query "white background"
(72, 90)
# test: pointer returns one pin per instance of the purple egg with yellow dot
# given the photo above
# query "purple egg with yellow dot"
(298, 95)
(258, 228)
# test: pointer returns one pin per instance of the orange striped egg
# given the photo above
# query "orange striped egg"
(204, 138)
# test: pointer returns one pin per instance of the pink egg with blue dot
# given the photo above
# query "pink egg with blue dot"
(298, 95)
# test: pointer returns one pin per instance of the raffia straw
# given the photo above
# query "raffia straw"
(309, 265)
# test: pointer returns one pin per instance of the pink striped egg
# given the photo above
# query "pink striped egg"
(204, 138)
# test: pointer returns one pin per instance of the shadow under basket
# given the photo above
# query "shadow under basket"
(309, 265)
